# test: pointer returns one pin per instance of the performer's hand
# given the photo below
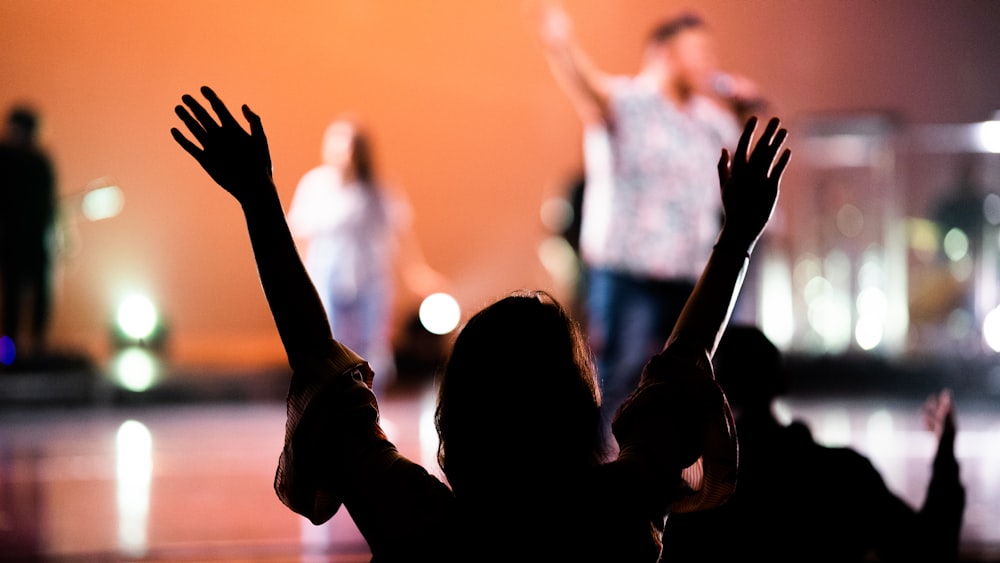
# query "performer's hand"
(554, 27)
(238, 161)
(750, 183)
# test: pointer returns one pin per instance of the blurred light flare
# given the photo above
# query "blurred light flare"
(558, 258)
(923, 238)
(136, 369)
(956, 244)
(134, 464)
(439, 313)
(103, 203)
(991, 329)
(850, 221)
(557, 214)
(872, 302)
(137, 317)
(988, 135)
(776, 310)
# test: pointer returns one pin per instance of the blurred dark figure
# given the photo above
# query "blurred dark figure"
(797, 500)
(27, 220)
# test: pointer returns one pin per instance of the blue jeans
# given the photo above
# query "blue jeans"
(628, 321)
(362, 323)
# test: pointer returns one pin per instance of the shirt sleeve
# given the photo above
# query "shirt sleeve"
(328, 400)
(677, 430)
(336, 454)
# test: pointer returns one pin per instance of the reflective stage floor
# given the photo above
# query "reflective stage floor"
(192, 481)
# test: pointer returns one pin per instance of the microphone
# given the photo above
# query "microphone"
(727, 87)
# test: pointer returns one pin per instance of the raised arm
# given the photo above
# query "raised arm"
(750, 185)
(585, 85)
(941, 515)
(240, 162)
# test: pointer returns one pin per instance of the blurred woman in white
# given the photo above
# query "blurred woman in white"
(354, 232)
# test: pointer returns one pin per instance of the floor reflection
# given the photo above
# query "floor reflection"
(193, 482)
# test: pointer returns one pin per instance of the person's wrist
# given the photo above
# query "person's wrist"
(734, 244)
(263, 195)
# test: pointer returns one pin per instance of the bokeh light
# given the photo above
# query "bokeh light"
(991, 329)
(135, 369)
(137, 317)
(103, 203)
(989, 136)
(956, 244)
(439, 313)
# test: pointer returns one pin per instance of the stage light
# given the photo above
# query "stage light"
(135, 369)
(103, 202)
(956, 244)
(991, 329)
(439, 313)
(868, 332)
(988, 133)
(137, 317)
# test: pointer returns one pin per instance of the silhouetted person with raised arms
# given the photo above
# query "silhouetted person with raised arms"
(518, 414)
(27, 231)
(797, 500)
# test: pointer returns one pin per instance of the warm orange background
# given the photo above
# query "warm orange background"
(465, 115)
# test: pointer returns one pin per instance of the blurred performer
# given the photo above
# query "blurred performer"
(27, 223)
(355, 231)
(651, 207)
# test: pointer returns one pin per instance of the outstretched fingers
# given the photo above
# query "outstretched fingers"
(225, 116)
(743, 146)
(779, 167)
(193, 125)
(186, 144)
(767, 146)
(199, 113)
(723, 167)
(256, 127)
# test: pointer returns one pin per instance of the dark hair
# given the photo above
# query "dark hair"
(749, 367)
(667, 30)
(362, 159)
(519, 384)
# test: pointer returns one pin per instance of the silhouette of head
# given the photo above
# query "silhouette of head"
(519, 384)
(22, 125)
(749, 367)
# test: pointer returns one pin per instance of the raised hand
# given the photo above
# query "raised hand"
(238, 161)
(750, 183)
(554, 26)
(939, 415)
(241, 163)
